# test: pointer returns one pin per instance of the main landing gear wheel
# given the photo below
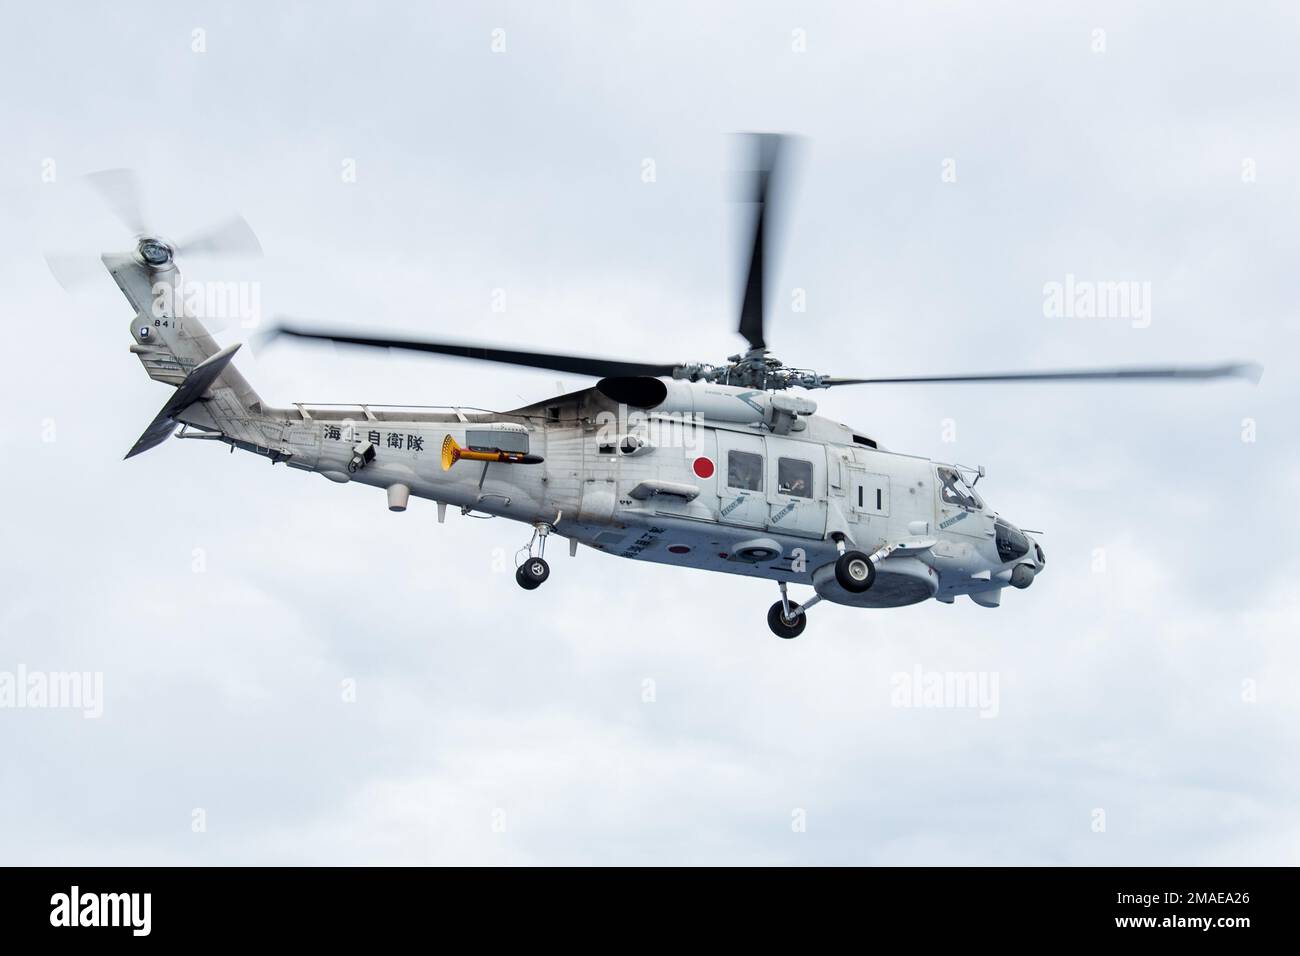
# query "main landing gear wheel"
(535, 570)
(855, 572)
(532, 573)
(783, 626)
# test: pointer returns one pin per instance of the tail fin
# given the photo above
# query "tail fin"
(169, 344)
(177, 349)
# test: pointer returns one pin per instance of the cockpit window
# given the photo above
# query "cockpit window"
(955, 490)
(1011, 542)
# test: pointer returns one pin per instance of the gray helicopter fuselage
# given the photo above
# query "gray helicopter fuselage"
(670, 485)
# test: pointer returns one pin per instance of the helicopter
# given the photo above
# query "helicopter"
(715, 467)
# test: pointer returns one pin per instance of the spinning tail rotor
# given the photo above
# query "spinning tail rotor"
(120, 191)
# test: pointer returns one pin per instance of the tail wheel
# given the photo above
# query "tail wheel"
(782, 626)
(855, 572)
(532, 573)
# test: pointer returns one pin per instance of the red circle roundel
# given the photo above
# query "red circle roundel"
(703, 467)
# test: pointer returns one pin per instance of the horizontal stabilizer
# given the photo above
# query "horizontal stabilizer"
(195, 385)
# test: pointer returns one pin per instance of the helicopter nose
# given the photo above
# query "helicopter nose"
(1031, 562)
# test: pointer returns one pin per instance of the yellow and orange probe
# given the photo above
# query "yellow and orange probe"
(452, 453)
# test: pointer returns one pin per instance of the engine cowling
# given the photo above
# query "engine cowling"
(719, 403)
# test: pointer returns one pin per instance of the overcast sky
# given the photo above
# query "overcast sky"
(1148, 700)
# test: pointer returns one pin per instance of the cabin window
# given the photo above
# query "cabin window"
(745, 471)
(794, 477)
(491, 439)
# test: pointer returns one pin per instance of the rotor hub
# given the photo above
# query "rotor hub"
(154, 252)
(754, 369)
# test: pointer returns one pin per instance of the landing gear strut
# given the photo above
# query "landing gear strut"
(534, 570)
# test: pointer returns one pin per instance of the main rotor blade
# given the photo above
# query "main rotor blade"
(758, 186)
(1247, 370)
(120, 190)
(233, 237)
(751, 308)
(577, 364)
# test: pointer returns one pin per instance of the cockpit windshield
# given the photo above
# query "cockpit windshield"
(955, 490)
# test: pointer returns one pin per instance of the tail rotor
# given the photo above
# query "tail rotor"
(120, 192)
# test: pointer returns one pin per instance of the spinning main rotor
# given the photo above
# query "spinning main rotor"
(756, 367)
